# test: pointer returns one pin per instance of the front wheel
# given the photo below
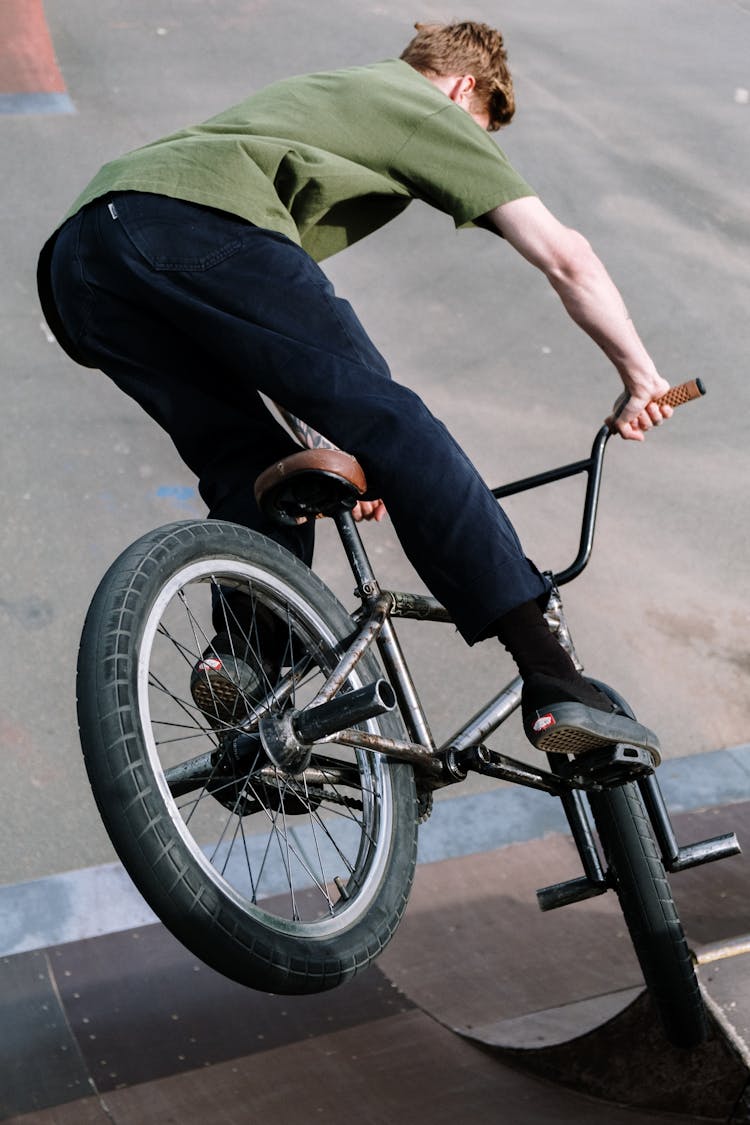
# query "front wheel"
(650, 913)
(286, 883)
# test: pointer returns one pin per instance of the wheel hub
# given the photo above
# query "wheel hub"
(238, 783)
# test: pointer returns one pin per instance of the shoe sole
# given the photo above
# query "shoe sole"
(572, 728)
(215, 695)
(223, 701)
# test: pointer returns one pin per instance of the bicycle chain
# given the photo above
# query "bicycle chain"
(425, 800)
(331, 798)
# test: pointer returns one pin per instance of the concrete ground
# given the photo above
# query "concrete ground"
(632, 124)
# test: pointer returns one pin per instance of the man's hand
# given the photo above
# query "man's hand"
(633, 415)
(369, 510)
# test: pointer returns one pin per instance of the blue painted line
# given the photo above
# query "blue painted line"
(183, 500)
(35, 103)
(179, 492)
(100, 900)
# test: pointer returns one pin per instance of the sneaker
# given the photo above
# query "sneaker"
(559, 717)
(224, 685)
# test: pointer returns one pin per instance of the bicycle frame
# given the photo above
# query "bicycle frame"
(385, 605)
(437, 766)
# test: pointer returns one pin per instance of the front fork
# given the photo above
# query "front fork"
(595, 879)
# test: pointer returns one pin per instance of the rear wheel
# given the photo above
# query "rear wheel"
(287, 883)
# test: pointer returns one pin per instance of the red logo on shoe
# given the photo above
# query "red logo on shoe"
(211, 663)
(543, 723)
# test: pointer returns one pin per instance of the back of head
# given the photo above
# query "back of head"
(468, 47)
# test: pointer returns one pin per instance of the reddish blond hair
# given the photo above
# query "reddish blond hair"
(439, 50)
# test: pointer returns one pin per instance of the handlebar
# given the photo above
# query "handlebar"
(676, 396)
(592, 465)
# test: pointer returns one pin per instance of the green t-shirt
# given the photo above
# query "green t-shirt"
(327, 158)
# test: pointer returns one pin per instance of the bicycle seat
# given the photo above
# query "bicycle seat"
(311, 483)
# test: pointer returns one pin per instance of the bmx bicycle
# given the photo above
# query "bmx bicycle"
(277, 839)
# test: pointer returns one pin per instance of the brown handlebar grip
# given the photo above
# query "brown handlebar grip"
(675, 396)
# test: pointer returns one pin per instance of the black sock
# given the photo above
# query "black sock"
(529, 640)
(537, 652)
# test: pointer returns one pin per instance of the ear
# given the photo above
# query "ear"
(458, 87)
(463, 89)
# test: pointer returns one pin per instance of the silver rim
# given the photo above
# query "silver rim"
(303, 855)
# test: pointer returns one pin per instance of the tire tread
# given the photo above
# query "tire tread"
(132, 808)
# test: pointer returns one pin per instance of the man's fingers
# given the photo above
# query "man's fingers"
(368, 510)
(632, 418)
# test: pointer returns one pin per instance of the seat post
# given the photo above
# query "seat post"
(367, 583)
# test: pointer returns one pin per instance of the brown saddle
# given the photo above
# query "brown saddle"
(308, 484)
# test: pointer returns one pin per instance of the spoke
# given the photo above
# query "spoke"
(312, 813)
(219, 842)
(247, 862)
(186, 654)
(195, 626)
(251, 651)
(237, 827)
(285, 859)
(344, 802)
(181, 726)
(187, 808)
(289, 845)
(217, 588)
(265, 833)
(314, 833)
(335, 804)
(265, 850)
(208, 789)
(190, 709)
(179, 737)
(284, 657)
(316, 815)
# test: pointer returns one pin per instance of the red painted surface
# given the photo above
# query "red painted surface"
(27, 58)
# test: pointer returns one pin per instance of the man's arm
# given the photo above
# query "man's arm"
(592, 300)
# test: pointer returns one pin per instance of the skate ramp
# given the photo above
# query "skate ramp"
(128, 1030)
(560, 994)
(481, 1009)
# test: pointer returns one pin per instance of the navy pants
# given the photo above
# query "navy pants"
(192, 312)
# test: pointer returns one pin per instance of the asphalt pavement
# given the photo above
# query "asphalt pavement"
(633, 125)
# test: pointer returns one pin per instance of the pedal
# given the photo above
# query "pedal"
(613, 765)
(705, 851)
(573, 890)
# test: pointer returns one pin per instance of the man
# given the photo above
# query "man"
(187, 271)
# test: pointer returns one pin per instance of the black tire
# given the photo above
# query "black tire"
(638, 876)
(285, 884)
